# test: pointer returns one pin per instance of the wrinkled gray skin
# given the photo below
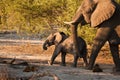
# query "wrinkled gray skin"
(64, 44)
(105, 16)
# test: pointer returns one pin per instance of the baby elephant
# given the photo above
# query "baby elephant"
(64, 44)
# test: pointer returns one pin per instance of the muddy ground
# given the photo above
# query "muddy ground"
(26, 60)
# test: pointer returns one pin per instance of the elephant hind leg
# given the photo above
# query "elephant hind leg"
(115, 54)
(114, 42)
(63, 54)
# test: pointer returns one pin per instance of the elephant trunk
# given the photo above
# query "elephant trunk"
(74, 34)
(78, 18)
(45, 45)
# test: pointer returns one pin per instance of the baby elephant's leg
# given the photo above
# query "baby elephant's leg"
(63, 55)
(75, 60)
(55, 54)
(85, 60)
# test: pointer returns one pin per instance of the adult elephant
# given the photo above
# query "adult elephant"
(104, 15)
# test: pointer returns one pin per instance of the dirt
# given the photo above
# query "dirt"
(15, 59)
(26, 60)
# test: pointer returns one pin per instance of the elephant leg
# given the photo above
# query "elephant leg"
(114, 42)
(55, 54)
(63, 59)
(75, 60)
(115, 54)
(85, 60)
(102, 36)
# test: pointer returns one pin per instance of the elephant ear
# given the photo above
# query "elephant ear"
(50, 37)
(104, 10)
(58, 38)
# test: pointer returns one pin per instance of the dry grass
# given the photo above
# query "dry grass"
(25, 48)
(103, 57)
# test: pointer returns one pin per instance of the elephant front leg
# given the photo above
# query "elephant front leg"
(63, 55)
(102, 36)
(115, 54)
(55, 54)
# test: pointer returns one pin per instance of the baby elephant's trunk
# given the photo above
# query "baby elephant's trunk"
(45, 44)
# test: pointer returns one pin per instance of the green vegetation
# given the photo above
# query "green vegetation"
(118, 1)
(35, 15)
(40, 16)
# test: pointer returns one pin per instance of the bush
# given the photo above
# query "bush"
(87, 33)
(39, 16)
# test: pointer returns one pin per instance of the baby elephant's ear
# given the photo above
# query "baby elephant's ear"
(62, 33)
(58, 37)
(103, 11)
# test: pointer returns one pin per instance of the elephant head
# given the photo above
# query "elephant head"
(94, 12)
(105, 15)
(54, 39)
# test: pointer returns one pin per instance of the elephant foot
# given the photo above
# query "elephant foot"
(118, 69)
(50, 63)
(115, 69)
(89, 67)
(97, 68)
(63, 64)
(74, 66)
